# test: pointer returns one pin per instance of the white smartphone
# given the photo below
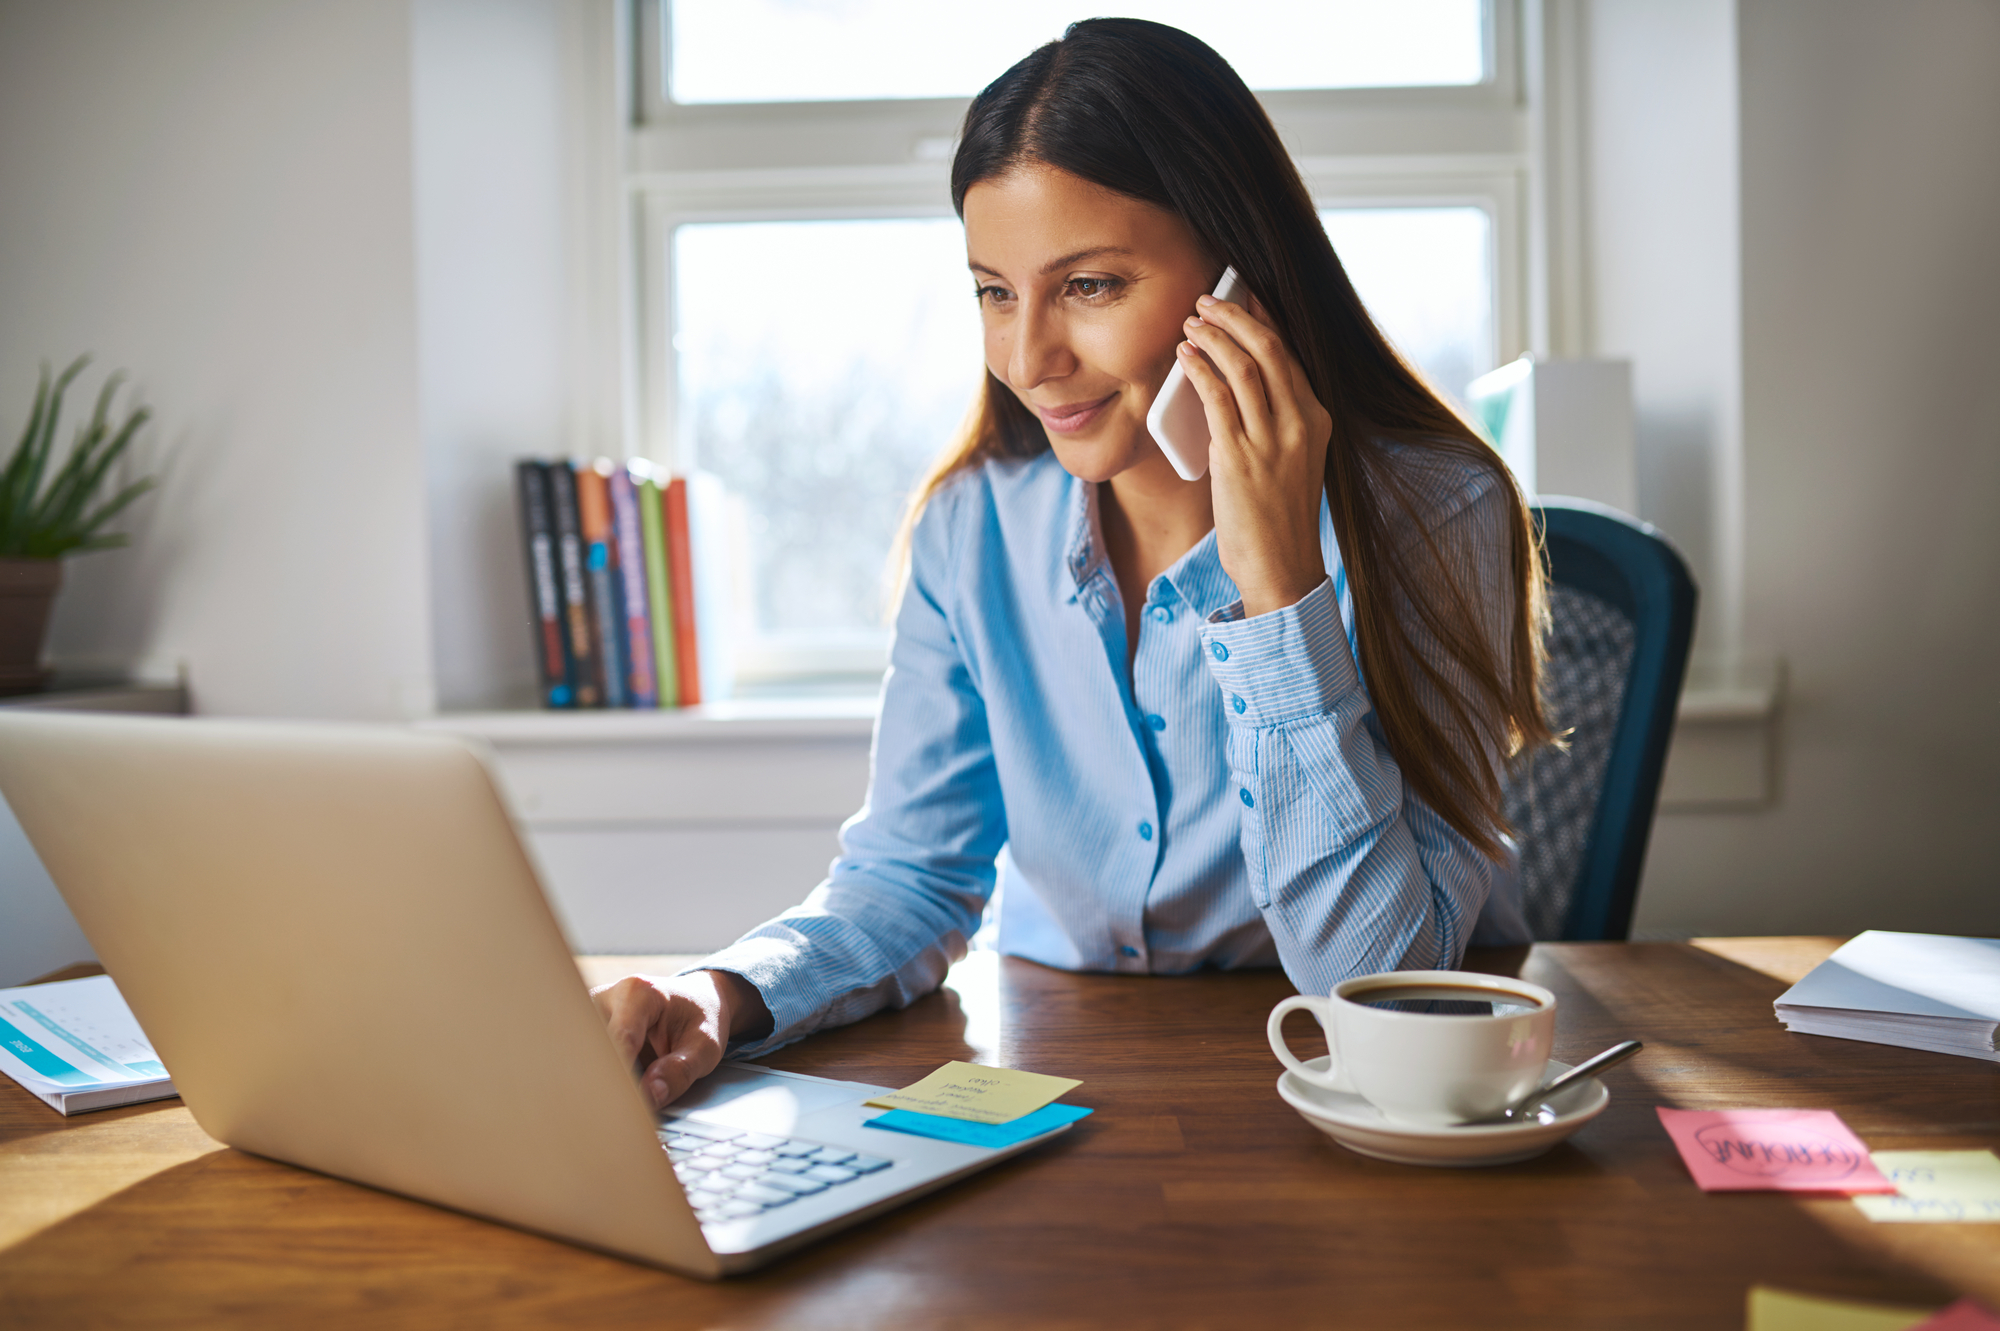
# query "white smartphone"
(1177, 421)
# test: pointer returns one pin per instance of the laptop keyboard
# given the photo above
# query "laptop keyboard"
(730, 1174)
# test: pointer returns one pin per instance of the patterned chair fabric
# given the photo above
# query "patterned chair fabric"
(1553, 794)
(1621, 607)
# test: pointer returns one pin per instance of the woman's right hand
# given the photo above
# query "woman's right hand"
(687, 1021)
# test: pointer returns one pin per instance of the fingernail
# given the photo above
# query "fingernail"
(1205, 301)
(1185, 348)
(1196, 321)
(658, 1087)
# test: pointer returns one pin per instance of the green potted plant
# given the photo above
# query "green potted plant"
(45, 515)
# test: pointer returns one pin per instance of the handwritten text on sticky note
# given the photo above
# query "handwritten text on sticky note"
(1937, 1186)
(978, 1094)
(1788, 1150)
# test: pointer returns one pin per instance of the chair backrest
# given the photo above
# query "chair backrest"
(1621, 607)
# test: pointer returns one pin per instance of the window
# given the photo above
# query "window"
(820, 51)
(779, 137)
(820, 433)
(1426, 275)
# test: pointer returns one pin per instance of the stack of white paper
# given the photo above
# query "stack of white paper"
(1921, 991)
(77, 1046)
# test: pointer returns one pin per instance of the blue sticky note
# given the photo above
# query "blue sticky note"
(1046, 1119)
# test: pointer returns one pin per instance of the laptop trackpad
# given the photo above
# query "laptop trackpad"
(756, 1099)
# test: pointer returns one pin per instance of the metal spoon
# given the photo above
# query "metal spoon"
(1611, 1057)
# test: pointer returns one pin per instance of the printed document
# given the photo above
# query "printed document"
(76, 1045)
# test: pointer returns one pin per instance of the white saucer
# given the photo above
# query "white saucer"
(1360, 1126)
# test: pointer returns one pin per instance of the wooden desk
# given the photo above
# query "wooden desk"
(1193, 1197)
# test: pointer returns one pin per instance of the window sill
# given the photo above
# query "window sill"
(674, 831)
(1723, 755)
(831, 717)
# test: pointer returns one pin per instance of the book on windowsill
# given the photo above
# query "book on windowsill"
(1921, 991)
(659, 596)
(680, 574)
(633, 581)
(538, 538)
(600, 561)
(77, 1046)
(586, 682)
(642, 676)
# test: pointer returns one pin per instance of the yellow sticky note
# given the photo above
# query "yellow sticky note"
(978, 1094)
(1936, 1187)
(1781, 1310)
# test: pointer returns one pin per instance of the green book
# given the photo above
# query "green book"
(659, 597)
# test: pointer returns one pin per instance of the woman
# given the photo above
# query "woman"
(1258, 718)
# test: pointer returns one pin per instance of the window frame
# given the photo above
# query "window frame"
(1465, 145)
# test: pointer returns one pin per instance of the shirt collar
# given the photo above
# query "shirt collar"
(1084, 541)
(1197, 577)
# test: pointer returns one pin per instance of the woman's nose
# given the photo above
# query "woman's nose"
(1040, 351)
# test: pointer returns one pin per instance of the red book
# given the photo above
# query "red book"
(680, 573)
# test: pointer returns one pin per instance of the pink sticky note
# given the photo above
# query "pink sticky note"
(1965, 1315)
(1788, 1150)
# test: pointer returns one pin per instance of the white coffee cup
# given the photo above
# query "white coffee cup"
(1417, 1063)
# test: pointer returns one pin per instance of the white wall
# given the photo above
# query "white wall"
(1871, 443)
(1665, 277)
(40, 934)
(517, 354)
(215, 195)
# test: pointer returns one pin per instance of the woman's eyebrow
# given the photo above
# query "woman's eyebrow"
(1095, 252)
(1078, 256)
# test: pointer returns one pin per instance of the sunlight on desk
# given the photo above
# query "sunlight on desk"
(1786, 959)
(1193, 1196)
(976, 980)
(74, 1164)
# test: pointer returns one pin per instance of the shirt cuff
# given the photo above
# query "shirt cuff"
(766, 964)
(1282, 666)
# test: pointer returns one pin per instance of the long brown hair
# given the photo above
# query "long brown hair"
(1153, 113)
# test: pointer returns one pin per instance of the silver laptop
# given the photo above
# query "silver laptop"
(336, 943)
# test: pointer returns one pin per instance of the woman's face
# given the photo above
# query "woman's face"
(1082, 292)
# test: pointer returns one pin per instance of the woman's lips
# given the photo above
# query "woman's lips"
(1073, 416)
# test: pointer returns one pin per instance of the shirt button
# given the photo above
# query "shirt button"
(1248, 803)
(1218, 651)
(1236, 701)
(1128, 951)
(1157, 722)
(1161, 614)
(1145, 831)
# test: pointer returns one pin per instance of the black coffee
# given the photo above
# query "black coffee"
(1445, 1000)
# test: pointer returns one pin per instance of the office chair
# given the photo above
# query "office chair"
(1621, 608)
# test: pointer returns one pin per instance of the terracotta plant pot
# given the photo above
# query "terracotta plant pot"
(28, 590)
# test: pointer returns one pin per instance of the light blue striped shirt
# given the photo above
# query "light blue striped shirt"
(1230, 802)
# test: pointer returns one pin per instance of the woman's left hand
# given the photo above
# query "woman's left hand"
(1266, 454)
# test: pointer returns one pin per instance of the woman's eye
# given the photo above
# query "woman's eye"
(1090, 288)
(990, 294)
